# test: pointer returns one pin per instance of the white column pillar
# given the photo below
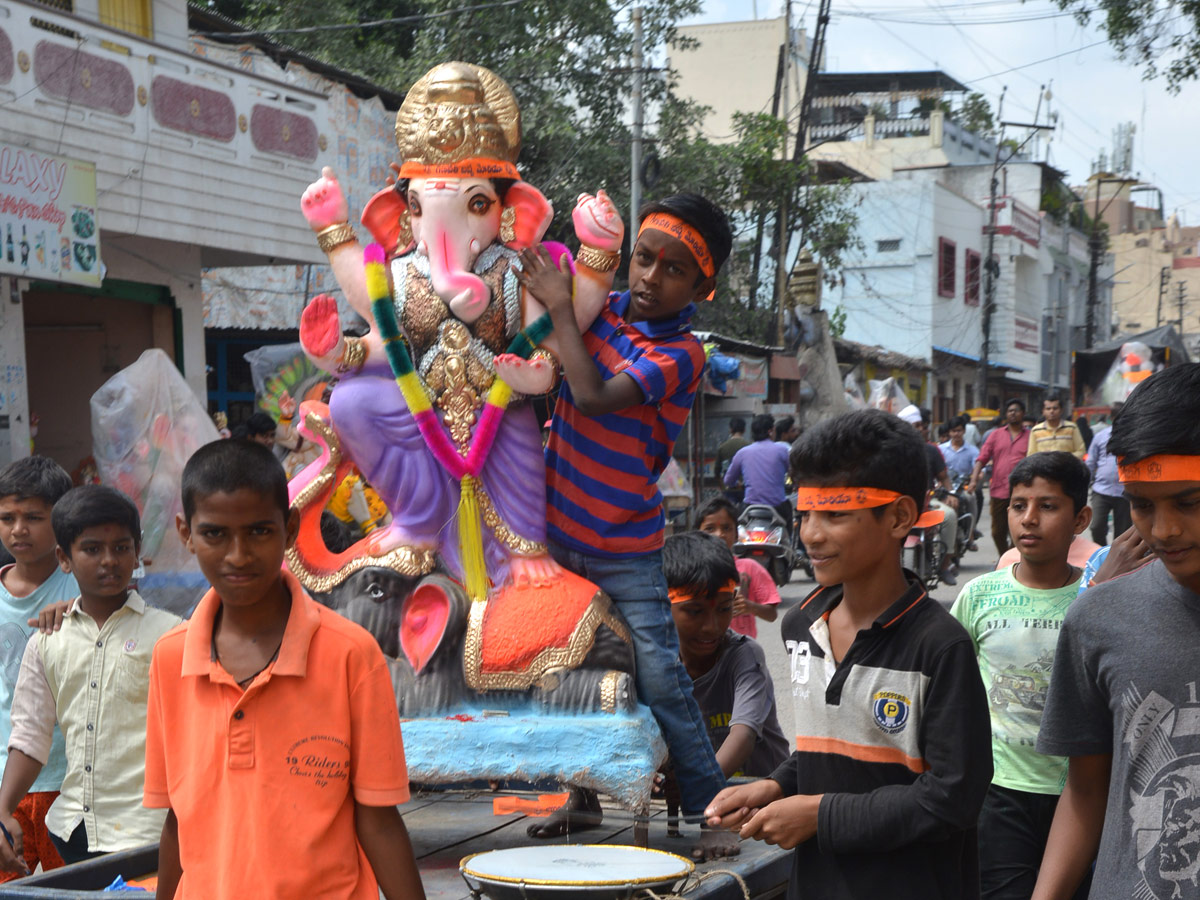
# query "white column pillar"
(14, 385)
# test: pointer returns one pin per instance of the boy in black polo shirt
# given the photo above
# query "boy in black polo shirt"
(893, 755)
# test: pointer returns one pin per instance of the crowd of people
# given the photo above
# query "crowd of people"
(1037, 739)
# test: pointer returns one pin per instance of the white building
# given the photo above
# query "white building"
(197, 163)
(915, 287)
(926, 182)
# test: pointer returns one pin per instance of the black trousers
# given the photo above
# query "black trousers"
(1102, 505)
(76, 849)
(1013, 828)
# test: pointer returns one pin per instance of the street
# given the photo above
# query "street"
(974, 564)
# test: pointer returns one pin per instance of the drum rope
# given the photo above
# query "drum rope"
(694, 881)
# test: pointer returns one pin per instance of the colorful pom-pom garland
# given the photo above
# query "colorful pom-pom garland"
(464, 468)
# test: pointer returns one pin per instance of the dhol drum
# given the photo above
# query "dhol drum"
(582, 872)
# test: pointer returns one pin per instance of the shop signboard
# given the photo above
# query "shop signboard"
(48, 225)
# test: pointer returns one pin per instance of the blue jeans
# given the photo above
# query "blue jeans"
(639, 590)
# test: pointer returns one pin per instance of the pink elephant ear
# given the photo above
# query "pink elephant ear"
(534, 213)
(381, 216)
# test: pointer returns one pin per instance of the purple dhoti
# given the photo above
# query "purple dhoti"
(381, 436)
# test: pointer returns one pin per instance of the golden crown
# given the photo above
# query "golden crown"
(459, 111)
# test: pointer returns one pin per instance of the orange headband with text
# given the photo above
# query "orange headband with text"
(467, 168)
(681, 230)
(810, 498)
(684, 594)
(1164, 467)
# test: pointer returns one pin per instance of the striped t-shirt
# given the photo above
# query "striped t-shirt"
(602, 471)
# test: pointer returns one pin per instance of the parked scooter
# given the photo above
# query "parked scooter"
(924, 548)
(763, 537)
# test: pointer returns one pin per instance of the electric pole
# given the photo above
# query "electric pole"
(1181, 286)
(782, 235)
(816, 51)
(990, 266)
(635, 153)
(1095, 248)
(1164, 282)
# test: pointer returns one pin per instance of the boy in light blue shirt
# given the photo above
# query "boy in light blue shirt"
(29, 488)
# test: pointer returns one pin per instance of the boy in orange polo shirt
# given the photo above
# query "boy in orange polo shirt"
(272, 733)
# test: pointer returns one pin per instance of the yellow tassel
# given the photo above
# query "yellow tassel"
(500, 393)
(414, 393)
(470, 541)
(376, 278)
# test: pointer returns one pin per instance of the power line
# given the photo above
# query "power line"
(1010, 20)
(1037, 61)
(354, 26)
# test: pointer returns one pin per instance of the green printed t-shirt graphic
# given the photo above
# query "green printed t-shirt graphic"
(1015, 630)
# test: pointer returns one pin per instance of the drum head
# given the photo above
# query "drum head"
(582, 867)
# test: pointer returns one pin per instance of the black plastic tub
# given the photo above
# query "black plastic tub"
(86, 879)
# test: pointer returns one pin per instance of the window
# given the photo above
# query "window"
(888, 246)
(132, 16)
(972, 269)
(946, 267)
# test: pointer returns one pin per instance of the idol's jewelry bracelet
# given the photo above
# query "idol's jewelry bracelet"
(597, 259)
(335, 236)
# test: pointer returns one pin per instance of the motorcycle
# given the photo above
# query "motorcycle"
(801, 558)
(966, 522)
(924, 549)
(763, 537)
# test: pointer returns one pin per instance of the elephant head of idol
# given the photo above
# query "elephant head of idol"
(459, 133)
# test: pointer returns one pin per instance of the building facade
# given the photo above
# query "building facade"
(919, 284)
(197, 164)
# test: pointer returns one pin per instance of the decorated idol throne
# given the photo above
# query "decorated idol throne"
(431, 407)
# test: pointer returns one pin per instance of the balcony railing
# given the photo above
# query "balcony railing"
(1013, 217)
(185, 149)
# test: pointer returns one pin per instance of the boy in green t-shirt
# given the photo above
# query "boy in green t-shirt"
(1013, 616)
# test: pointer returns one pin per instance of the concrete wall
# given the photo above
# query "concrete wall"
(955, 324)
(1140, 257)
(733, 70)
(152, 120)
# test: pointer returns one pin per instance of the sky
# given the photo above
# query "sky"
(977, 42)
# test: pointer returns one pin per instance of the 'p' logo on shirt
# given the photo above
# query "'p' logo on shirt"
(891, 711)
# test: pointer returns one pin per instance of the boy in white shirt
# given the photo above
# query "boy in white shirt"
(92, 677)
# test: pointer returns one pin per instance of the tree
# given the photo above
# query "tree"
(748, 178)
(926, 105)
(975, 115)
(566, 60)
(372, 52)
(1162, 37)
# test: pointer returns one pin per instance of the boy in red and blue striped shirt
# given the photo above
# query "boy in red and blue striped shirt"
(630, 383)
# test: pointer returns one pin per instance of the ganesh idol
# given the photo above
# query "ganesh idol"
(431, 405)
